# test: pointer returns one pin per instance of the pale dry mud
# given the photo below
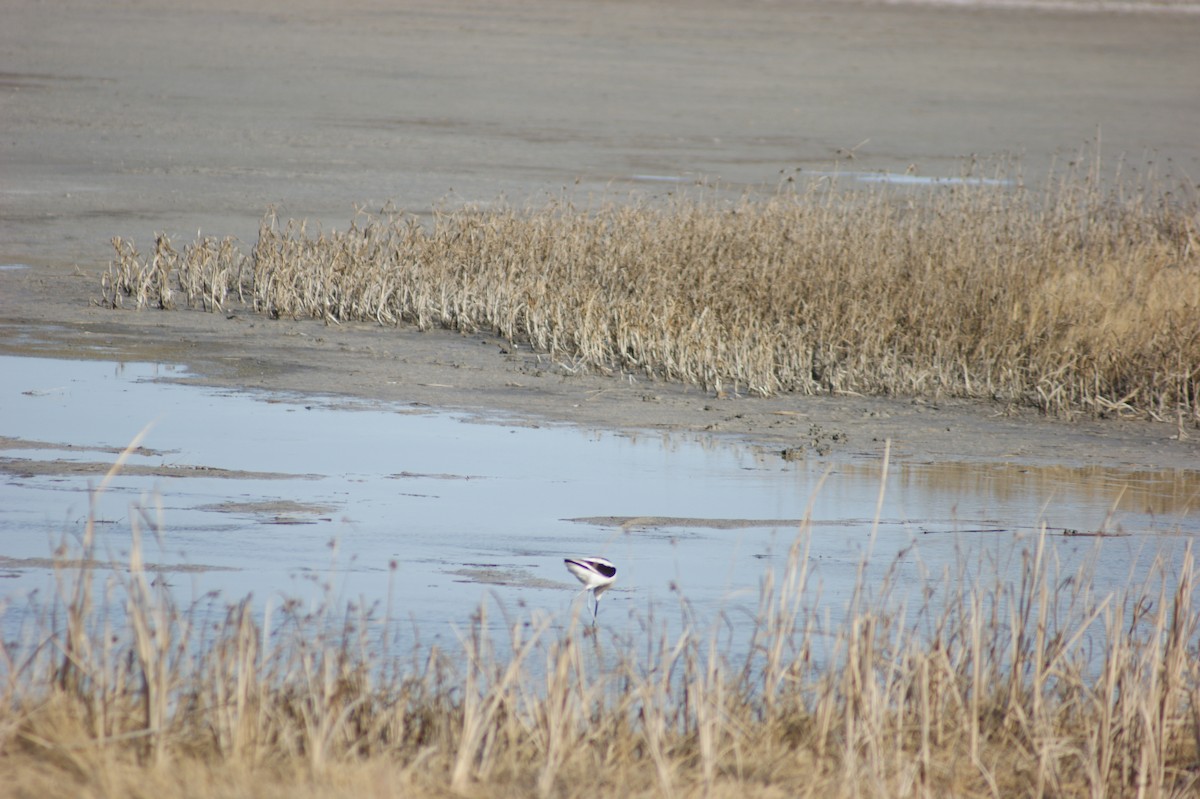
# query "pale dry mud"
(147, 116)
(129, 119)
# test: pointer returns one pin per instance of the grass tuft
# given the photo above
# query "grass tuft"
(1028, 686)
(1071, 299)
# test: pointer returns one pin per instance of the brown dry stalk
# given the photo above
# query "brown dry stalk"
(1071, 300)
(994, 686)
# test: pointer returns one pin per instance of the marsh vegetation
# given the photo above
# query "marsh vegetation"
(1072, 298)
(997, 683)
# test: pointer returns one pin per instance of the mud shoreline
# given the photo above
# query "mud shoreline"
(143, 118)
(491, 377)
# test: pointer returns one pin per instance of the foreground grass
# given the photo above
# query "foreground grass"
(1070, 299)
(1026, 687)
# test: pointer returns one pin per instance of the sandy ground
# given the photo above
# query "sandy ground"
(135, 117)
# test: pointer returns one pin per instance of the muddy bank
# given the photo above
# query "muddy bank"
(126, 121)
(482, 374)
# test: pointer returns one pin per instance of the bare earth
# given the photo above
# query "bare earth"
(131, 118)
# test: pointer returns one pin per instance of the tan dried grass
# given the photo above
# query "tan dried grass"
(207, 273)
(1025, 686)
(1071, 299)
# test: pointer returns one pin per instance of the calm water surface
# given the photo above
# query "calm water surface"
(328, 495)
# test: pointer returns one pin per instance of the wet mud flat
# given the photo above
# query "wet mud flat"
(544, 109)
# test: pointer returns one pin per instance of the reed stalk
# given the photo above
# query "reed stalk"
(1072, 298)
(996, 684)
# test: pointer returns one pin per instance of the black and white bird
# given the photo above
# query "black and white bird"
(596, 574)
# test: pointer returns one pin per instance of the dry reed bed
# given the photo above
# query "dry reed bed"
(1070, 299)
(1031, 686)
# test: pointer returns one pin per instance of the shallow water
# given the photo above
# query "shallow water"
(322, 496)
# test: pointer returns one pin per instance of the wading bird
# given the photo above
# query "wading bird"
(596, 574)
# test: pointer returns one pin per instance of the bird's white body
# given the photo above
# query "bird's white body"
(596, 574)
